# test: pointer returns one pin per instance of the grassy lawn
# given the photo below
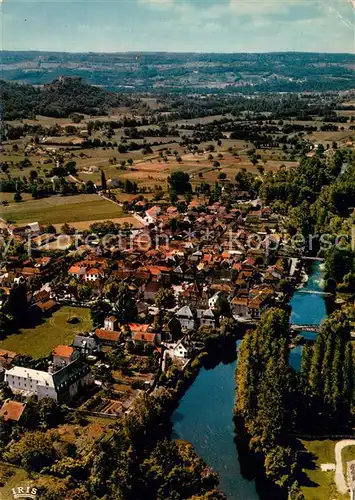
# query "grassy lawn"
(11, 477)
(86, 224)
(348, 455)
(60, 209)
(324, 485)
(40, 341)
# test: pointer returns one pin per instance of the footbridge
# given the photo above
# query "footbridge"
(305, 328)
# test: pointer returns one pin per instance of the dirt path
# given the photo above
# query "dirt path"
(340, 480)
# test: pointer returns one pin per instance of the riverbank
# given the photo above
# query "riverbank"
(204, 416)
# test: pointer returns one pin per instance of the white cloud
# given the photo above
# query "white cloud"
(253, 7)
(216, 10)
(158, 3)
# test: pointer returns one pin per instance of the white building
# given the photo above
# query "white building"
(93, 275)
(151, 215)
(110, 323)
(61, 385)
(213, 300)
(77, 271)
(179, 350)
(63, 355)
(206, 317)
(26, 380)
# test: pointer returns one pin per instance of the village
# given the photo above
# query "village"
(177, 273)
(156, 293)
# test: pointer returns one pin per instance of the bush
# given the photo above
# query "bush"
(73, 320)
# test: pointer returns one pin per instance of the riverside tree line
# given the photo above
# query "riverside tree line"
(274, 404)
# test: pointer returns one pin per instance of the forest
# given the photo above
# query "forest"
(58, 99)
(242, 72)
(64, 97)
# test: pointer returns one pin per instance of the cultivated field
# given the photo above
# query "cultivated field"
(148, 171)
(86, 224)
(60, 209)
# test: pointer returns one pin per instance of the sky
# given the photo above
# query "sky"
(178, 25)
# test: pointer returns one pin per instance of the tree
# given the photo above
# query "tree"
(164, 298)
(280, 466)
(33, 175)
(98, 312)
(16, 304)
(17, 197)
(33, 451)
(90, 187)
(34, 191)
(125, 306)
(84, 292)
(180, 182)
(50, 414)
(173, 197)
(103, 181)
(244, 180)
(264, 382)
(66, 229)
(222, 176)
(70, 167)
(50, 229)
(223, 306)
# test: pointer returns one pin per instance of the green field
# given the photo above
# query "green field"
(12, 477)
(60, 209)
(323, 482)
(348, 455)
(39, 341)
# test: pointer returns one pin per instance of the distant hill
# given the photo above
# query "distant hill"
(58, 99)
(159, 72)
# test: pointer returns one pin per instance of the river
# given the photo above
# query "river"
(204, 415)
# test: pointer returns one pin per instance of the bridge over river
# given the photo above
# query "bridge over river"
(305, 328)
(314, 292)
(313, 329)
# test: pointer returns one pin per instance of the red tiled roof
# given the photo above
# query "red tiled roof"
(249, 261)
(46, 306)
(155, 270)
(137, 327)
(64, 351)
(4, 353)
(31, 270)
(144, 336)
(154, 211)
(12, 410)
(75, 269)
(110, 335)
(94, 272)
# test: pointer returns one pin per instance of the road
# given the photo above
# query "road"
(340, 480)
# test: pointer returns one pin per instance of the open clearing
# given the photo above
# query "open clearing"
(86, 224)
(39, 341)
(60, 209)
(323, 481)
